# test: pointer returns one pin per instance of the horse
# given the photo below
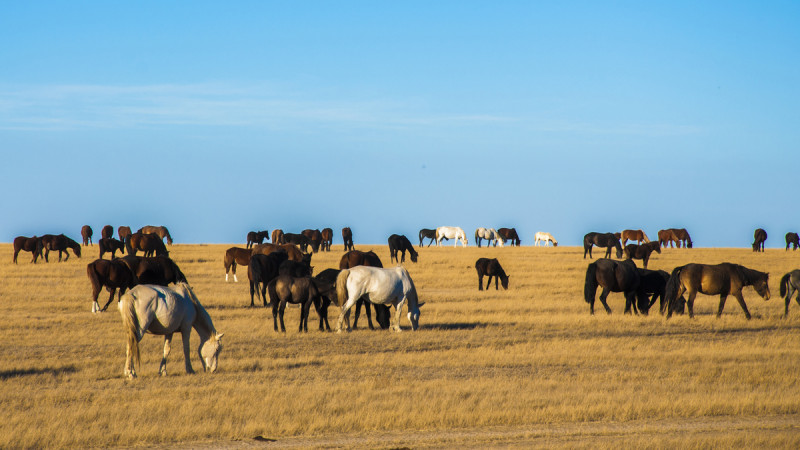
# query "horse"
(490, 234)
(723, 279)
(277, 237)
(29, 244)
(613, 276)
(160, 270)
(292, 250)
(256, 237)
(682, 236)
(233, 256)
(606, 240)
(382, 286)
(163, 311)
(261, 270)
(299, 240)
(792, 239)
(668, 238)
(286, 289)
(427, 233)
(161, 231)
(541, 236)
(149, 243)
(355, 258)
(492, 268)
(509, 234)
(634, 235)
(110, 245)
(643, 251)
(295, 269)
(327, 239)
(60, 243)
(400, 243)
(790, 283)
(759, 237)
(123, 232)
(107, 231)
(113, 275)
(456, 233)
(347, 236)
(86, 234)
(314, 237)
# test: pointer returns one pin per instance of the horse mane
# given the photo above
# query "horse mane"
(202, 314)
(750, 276)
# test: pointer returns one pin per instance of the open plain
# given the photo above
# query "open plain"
(524, 367)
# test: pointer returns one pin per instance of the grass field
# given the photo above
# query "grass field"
(523, 367)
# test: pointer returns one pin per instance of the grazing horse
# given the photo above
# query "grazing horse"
(149, 243)
(163, 311)
(299, 240)
(60, 243)
(492, 268)
(86, 234)
(456, 233)
(327, 239)
(613, 276)
(277, 237)
(314, 237)
(286, 289)
(760, 236)
(256, 237)
(643, 251)
(261, 270)
(233, 256)
(723, 279)
(604, 240)
(667, 238)
(161, 231)
(792, 239)
(427, 233)
(29, 244)
(490, 234)
(682, 236)
(382, 286)
(110, 245)
(160, 270)
(400, 243)
(634, 235)
(326, 283)
(509, 234)
(654, 282)
(112, 275)
(123, 232)
(347, 236)
(292, 250)
(355, 258)
(107, 231)
(790, 283)
(541, 236)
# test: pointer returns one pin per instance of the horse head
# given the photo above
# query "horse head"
(504, 281)
(209, 352)
(413, 316)
(761, 285)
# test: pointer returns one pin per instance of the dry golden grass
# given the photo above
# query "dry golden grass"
(527, 366)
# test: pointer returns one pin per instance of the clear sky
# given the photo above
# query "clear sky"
(216, 118)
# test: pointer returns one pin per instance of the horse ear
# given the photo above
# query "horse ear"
(219, 336)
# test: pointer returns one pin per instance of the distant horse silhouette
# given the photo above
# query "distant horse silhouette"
(233, 256)
(29, 244)
(427, 233)
(613, 276)
(61, 243)
(327, 239)
(723, 279)
(314, 237)
(161, 231)
(400, 243)
(603, 240)
(509, 234)
(150, 243)
(163, 311)
(456, 233)
(261, 270)
(634, 235)
(792, 239)
(277, 237)
(760, 236)
(790, 283)
(110, 245)
(123, 232)
(541, 236)
(256, 237)
(675, 236)
(492, 268)
(347, 236)
(86, 234)
(643, 251)
(113, 275)
(107, 232)
(356, 258)
(303, 291)
(299, 240)
(683, 236)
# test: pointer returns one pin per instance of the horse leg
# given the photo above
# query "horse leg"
(129, 371)
(368, 312)
(397, 314)
(496, 280)
(603, 296)
(233, 268)
(796, 299)
(275, 315)
(359, 302)
(740, 298)
(403, 256)
(281, 309)
(110, 298)
(480, 282)
(690, 303)
(186, 332)
(645, 259)
(252, 292)
(162, 369)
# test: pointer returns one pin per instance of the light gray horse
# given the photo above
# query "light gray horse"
(384, 287)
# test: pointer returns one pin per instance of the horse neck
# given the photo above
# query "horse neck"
(202, 324)
(750, 276)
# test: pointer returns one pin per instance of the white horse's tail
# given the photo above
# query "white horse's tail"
(341, 287)
(127, 308)
(644, 235)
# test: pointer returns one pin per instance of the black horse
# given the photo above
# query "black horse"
(654, 283)
(110, 245)
(427, 233)
(492, 268)
(613, 276)
(509, 234)
(86, 234)
(261, 269)
(295, 269)
(113, 275)
(792, 239)
(759, 236)
(398, 242)
(299, 240)
(256, 238)
(347, 237)
(61, 243)
(606, 240)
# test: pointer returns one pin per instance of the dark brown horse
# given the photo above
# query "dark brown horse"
(277, 236)
(492, 268)
(509, 235)
(759, 237)
(123, 232)
(86, 234)
(613, 276)
(256, 238)
(792, 239)
(233, 256)
(149, 243)
(347, 237)
(286, 289)
(29, 244)
(292, 250)
(355, 258)
(161, 231)
(107, 232)
(160, 270)
(643, 251)
(261, 270)
(400, 243)
(300, 240)
(429, 234)
(314, 237)
(603, 240)
(634, 235)
(110, 245)
(61, 243)
(721, 279)
(327, 239)
(112, 275)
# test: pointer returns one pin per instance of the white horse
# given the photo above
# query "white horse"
(546, 237)
(490, 234)
(384, 287)
(456, 233)
(163, 311)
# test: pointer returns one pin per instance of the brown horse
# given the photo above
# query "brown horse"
(602, 240)
(492, 268)
(792, 239)
(315, 236)
(110, 245)
(292, 250)
(236, 255)
(86, 234)
(161, 231)
(759, 237)
(347, 237)
(355, 258)
(256, 238)
(677, 236)
(149, 243)
(614, 276)
(160, 270)
(29, 244)
(123, 232)
(327, 239)
(107, 231)
(634, 235)
(722, 279)
(261, 270)
(286, 289)
(112, 275)
(277, 237)
(61, 243)
(509, 234)
(643, 251)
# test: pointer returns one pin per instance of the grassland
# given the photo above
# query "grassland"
(523, 367)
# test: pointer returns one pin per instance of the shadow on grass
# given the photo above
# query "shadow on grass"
(454, 326)
(14, 373)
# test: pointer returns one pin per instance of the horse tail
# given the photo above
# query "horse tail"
(130, 322)
(341, 287)
(128, 246)
(785, 284)
(272, 291)
(590, 287)
(671, 290)
(94, 278)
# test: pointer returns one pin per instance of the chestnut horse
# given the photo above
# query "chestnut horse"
(233, 256)
(29, 244)
(327, 239)
(149, 243)
(86, 234)
(643, 251)
(60, 243)
(277, 236)
(161, 231)
(107, 231)
(634, 235)
(347, 236)
(123, 232)
(315, 238)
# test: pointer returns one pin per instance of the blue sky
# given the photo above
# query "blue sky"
(388, 117)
